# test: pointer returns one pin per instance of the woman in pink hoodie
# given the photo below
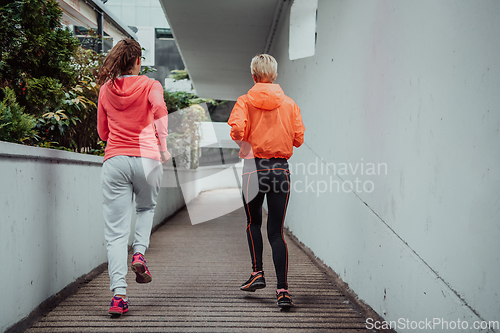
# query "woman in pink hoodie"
(132, 118)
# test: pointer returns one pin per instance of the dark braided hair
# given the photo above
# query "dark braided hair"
(119, 61)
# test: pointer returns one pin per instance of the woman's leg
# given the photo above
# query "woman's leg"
(117, 201)
(252, 202)
(277, 202)
(146, 188)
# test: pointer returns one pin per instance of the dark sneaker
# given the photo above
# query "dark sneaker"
(255, 282)
(140, 269)
(118, 306)
(284, 299)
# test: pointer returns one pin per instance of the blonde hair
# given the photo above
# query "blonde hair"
(264, 68)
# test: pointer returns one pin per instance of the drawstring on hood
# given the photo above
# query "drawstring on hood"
(266, 96)
(126, 91)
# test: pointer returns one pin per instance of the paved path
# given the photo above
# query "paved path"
(197, 271)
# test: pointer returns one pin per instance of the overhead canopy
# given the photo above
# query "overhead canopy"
(218, 38)
(84, 14)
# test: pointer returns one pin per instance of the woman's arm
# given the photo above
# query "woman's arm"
(102, 118)
(299, 127)
(238, 120)
(160, 113)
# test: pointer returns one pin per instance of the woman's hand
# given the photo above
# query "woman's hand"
(165, 156)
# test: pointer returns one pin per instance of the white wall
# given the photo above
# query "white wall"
(51, 223)
(414, 85)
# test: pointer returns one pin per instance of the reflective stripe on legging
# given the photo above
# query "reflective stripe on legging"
(277, 199)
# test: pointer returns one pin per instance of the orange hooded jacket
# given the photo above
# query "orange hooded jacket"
(266, 123)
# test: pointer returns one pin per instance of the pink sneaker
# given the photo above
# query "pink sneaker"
(140, 269)
(118, 306)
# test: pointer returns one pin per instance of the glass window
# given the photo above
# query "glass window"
(164, 33)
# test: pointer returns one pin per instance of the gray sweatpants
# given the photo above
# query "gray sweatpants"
(121, 177)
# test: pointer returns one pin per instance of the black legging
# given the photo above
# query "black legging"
(270, 178)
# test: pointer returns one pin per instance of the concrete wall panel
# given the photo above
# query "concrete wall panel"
(51, 223)
(410, 85)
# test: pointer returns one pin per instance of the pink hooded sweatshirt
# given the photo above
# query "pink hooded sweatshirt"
(132, 117)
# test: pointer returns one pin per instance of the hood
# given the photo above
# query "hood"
(266, 96)
(127, 90)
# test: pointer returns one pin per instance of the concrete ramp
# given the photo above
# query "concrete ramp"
(197, 270)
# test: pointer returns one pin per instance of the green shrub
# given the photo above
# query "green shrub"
(80, 103)
(44, 93)
(81, 108)
(73, 123)
(15, 125)
(177, 100)
(36, 53)
(184, 136)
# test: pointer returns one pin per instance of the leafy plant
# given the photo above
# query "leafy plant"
(15, 125)
(86, 63)
(184, 132)
(51, 77)
(98, 151)
(44, 93)
(35, 54)
(184, 135)
(179, 74)
(81, 103)
(177, 100)
(52, 127)
(74, 125)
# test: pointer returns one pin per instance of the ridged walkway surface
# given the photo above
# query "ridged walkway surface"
(197, 271)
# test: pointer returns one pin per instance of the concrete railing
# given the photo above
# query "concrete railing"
(51, 223)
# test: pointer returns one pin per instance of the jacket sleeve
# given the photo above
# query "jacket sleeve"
(238, 120)
(102, 118)
(299, 127)
(160, 113)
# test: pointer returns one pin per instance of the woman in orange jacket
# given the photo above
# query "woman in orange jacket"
(266, 124)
